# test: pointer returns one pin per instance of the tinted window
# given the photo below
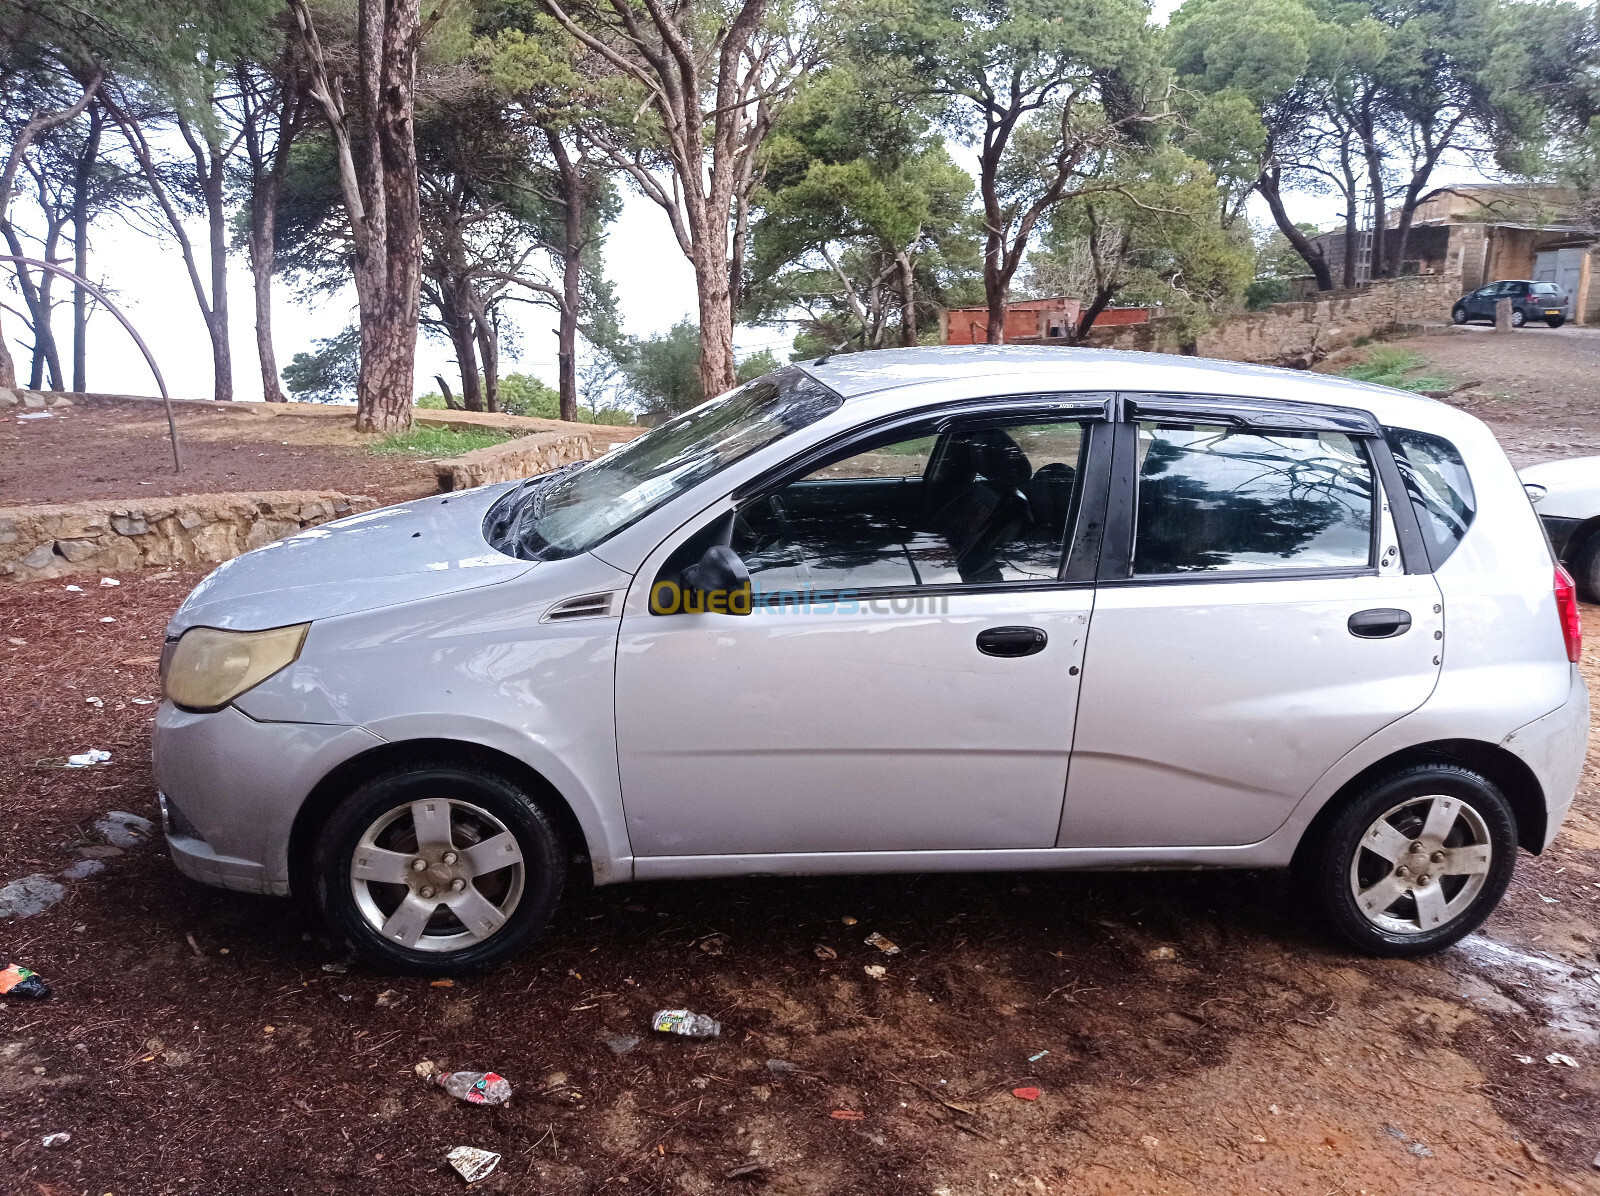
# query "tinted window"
(1440, 489)
(1546, 288)
(1214, 498)
(562, 514)
(964, 507)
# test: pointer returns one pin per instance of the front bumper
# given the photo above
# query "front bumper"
(231, 787)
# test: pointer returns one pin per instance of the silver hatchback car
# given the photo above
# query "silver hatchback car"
(906, 611)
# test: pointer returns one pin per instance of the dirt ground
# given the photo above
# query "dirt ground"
(121, 450)
(1536, 387)
(1202, 1037)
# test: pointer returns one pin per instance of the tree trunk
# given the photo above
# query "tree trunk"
(1267, 185)
(488, 338)
(33, 295)
(263, 234)
(381, 197)
(908, 300)
(1102, 300)
(45, 334)
(444, 389)
(81, 181)
(718, 372)
(574, 197)
(217, 319)
(36, 124)
(459, 322)
(1373, 153)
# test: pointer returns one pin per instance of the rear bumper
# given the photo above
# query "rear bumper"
(1554, 748)
(231, 788)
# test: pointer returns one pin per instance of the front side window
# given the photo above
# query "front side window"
(969, 506)
(1439, 486)
(1217, 499)
(562, 515)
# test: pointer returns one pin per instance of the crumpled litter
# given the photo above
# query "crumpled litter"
(88, 758)
(472, 1164)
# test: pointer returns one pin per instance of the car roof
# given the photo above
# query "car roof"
(1023, 369)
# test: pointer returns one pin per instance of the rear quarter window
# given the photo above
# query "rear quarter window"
(1439, 487)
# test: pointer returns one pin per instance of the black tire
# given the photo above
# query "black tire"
(1555, 321)
(1337, 860)
(1459, 314)
(1518, 317)
(480, 805)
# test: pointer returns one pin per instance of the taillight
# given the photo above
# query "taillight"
(1567, 607)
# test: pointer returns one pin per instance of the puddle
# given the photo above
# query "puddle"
(1566, 998)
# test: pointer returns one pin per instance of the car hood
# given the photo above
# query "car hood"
(1572, 487)
(396, 554)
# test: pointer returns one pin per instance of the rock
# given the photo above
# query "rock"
(8, 398)
(78, 550)
(33, 402)
(41, 556)
(82, 869)
(28, 896)
(61, 401)
(132, 524)
(122, 829)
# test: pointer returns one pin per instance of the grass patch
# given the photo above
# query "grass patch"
(422, 441)
(1399, 368)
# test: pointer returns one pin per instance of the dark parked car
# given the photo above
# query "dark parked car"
(1529, 301)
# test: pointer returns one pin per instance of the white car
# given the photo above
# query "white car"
(927, 610)
(1566, 494)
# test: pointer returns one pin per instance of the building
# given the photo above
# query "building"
(1030, 321)
(1486, 232)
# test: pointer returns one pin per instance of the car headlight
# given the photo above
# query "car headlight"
(1535, 491)
(210, 667)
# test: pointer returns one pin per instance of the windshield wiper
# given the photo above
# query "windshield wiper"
(519, 508)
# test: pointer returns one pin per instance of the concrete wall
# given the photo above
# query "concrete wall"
(47, 540)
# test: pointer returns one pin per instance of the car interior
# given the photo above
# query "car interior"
(967, 506)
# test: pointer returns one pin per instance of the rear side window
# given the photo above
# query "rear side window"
(1219, 499)
(1440, 489)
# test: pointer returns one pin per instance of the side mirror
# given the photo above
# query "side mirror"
(719, 571)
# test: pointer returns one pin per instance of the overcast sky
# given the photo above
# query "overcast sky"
(654, 287)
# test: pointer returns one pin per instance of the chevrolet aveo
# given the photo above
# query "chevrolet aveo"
(905, 611)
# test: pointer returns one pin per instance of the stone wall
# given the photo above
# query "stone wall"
(57, 539)
(1302, 333)
(524, 457)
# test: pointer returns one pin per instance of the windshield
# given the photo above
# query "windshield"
(570, 511)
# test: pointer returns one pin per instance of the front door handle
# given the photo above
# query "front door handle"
(1380, 623)
(1012, 641)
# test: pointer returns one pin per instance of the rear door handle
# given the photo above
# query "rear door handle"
(1380, 623)
(1012, 641)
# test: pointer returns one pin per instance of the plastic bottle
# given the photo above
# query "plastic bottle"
(682, 1021)
(476, 1087)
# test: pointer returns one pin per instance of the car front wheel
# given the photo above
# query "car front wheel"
(1415, 863)
(1459, 314)
(438, 869)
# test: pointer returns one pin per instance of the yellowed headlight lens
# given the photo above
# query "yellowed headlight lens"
(211, 667)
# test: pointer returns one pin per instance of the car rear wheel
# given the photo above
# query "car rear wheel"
(1413, 864)
(1518, 317)
(1459, 314)
(438, 869)
(1555, 321)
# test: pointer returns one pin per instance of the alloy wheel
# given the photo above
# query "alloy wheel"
(437, 875)
(1421, 864)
